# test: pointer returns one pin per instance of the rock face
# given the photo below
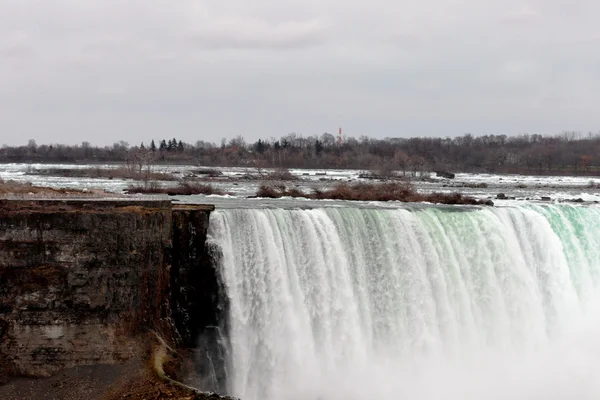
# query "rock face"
(198, 299)
(81, 280)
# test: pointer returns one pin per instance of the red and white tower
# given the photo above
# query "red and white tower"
(340, 136)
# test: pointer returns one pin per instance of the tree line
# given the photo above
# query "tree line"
(565, 153)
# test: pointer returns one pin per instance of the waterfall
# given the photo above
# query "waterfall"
(436, 303)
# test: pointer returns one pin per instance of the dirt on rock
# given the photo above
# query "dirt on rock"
(89, 382)
(132, 381)
(146, 384)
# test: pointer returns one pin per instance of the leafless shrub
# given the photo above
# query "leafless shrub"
(275, 192)
(389, 191)
(281, 174)
(183, 189)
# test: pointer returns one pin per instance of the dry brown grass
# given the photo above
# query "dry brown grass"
(12, 188)
(390, 191)
(183, 189)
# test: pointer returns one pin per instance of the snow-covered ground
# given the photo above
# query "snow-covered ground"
(232, 180)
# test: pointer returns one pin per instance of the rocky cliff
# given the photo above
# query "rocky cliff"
(82, 280)
(198, 299)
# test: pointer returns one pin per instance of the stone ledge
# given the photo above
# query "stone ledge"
(94, 204)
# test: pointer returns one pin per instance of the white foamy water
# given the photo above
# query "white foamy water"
(347, 303)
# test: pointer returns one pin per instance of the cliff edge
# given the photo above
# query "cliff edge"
(84, 282)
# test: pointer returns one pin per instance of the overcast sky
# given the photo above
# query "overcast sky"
(133, 70)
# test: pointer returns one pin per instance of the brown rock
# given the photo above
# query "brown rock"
(83, 281)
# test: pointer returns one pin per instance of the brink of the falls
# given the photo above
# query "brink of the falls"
(434, 303)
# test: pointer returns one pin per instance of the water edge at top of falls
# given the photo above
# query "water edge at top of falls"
(347, 303)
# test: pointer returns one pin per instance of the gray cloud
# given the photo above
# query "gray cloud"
(257, 34)
(107, 70)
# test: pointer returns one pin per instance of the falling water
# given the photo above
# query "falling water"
(348, 303)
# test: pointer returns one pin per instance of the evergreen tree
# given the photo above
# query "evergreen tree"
(163, 145)
(153, 146)
(318, 147)
(180, 147)
(259, 146)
